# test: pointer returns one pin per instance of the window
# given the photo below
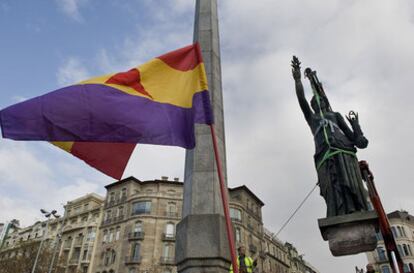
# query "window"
(385, 269)
(406, 268)
(166, 250)
(238, 235)
(108, 215)
(112, 197)
(400, 231)
(405, 249)
(169, 230)
(394, 232)
(409, 250)
(111, 235)
(235, 214)
(121, 211)
(109, 257)
(91, 234)
(117, 232)
(138, 227)
(135, 253)
(105, 236)
(86, 206)
(381, 253)
(132, 270)
(141, 208)
(400, 250)
(171, 210)
(85, 255)
(123, 193)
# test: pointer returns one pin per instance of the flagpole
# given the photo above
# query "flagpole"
(223, 191)
(394, 256)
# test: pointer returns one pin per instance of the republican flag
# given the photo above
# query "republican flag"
(158, 102)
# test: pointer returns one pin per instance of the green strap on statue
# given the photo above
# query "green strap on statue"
(332, 151)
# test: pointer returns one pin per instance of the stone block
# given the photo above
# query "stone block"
(202, 245)
(351, 233)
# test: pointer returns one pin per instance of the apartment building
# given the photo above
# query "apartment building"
(132, 230)
(402, 227)
(81, 221)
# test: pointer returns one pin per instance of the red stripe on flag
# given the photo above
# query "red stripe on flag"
(109, 158)
(131, 78)
(184, 59)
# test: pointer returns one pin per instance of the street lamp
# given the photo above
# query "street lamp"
(47, 215)
(58, 238)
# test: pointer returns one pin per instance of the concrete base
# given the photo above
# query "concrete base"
(351, 233)
(202, 254)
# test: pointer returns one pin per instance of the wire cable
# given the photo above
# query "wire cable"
(297, 209)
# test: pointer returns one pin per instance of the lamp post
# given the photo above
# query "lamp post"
(47, 215)
(58, 238)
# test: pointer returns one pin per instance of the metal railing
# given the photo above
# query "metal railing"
(172, 214)
(136, 235)
(167, 260)
(168, 237)
(133, 259)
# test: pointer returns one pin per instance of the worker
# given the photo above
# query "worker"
(245, 263)
(370, 268)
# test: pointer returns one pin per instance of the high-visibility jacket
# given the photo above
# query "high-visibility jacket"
(247, 261)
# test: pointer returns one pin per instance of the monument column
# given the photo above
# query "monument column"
(201, 244)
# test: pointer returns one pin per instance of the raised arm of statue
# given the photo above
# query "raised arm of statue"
(355, 134)
(300, 93)
(360, 140)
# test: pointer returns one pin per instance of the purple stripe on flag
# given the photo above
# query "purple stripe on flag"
(99, 113)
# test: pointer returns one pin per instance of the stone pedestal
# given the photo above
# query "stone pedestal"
(202, 247)
(351, 233)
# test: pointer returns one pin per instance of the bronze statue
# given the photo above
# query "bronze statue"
(335, 158)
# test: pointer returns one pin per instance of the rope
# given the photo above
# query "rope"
(297, 209)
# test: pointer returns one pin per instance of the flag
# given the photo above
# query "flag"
(158, 102)
(109, 158)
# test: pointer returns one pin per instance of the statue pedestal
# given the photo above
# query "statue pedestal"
(351, 233)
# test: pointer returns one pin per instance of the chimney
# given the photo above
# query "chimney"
(176, 179)
(164, 178)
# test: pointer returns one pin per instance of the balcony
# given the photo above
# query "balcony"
(73, 261)
(78, 242)
(252, 248)
(86, 259)
(107, 221)
(171, 214)
(238, 220)
(167, 260)
(115, 201)
(133, 259)
(168, 237)
(136, 235)
(119, 218)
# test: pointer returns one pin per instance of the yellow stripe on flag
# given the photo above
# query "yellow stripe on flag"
(64, 145)
(164, 83)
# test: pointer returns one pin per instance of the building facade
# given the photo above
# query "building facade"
(132, 229)
(402, 227)
(81, 221)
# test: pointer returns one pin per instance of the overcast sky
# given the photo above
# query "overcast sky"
(362, 50)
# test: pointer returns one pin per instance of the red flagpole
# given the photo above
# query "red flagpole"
(385, 227)
(223, 190)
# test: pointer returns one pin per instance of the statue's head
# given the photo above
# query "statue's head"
(324, 104)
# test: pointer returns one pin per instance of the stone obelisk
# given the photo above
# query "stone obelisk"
(201, 244)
